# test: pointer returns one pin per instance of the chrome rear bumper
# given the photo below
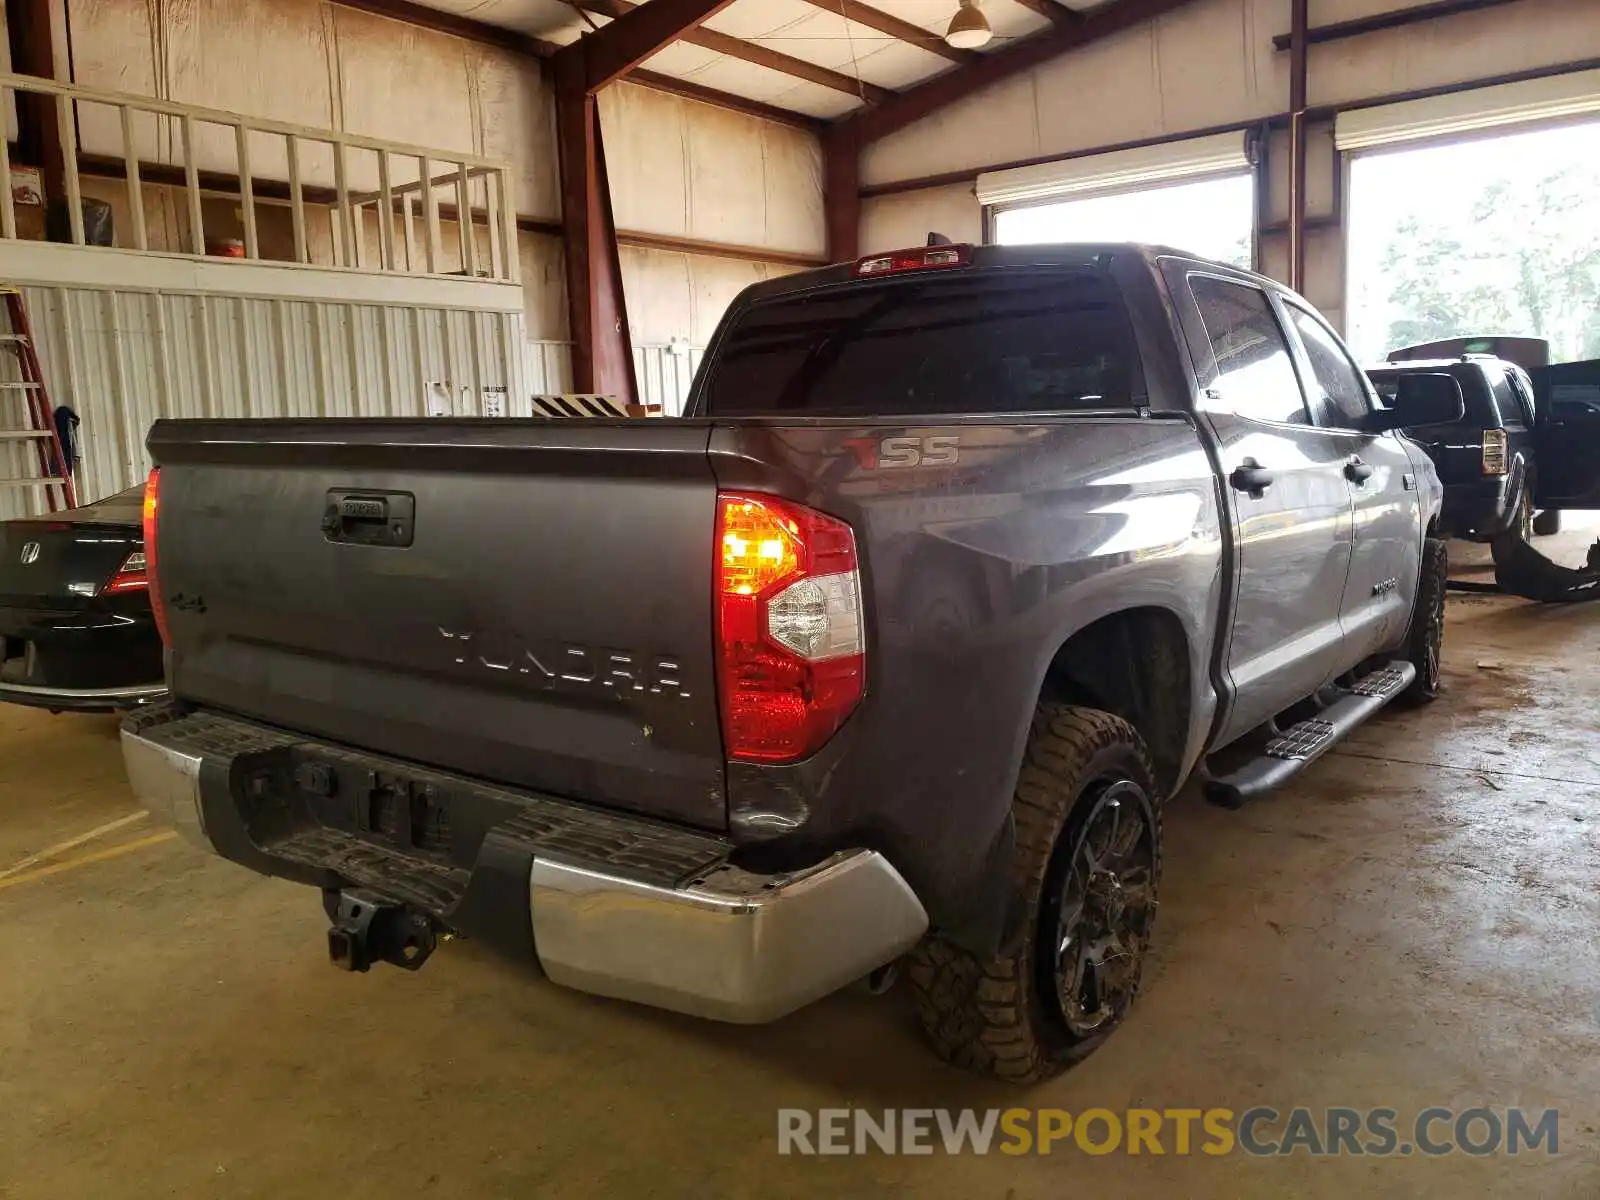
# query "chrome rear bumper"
(725, 944)
(734, 946)
(167, 782)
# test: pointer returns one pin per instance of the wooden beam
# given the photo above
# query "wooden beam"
(751, 108)
(426, 17)
(905, 31)
(841, 192)
(699, 246)
(918, 102)
(1396, 18)
(750, 52)
(38, 117)
(1056, 14)
(602, 356)
(636, 32)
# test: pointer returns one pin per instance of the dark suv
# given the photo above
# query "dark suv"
(1486, 459)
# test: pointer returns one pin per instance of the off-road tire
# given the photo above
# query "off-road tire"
(1548, 522)
(1425, 641)
(990, 1014)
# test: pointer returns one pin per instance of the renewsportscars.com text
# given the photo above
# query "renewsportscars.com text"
(1260, 1131)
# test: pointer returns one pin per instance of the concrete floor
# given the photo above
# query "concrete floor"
(1413, 925)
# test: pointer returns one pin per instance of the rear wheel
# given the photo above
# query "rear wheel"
(1547, 522)
(1084, 886)
(1425, 641)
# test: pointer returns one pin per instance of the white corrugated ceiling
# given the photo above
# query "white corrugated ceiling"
(798, 29)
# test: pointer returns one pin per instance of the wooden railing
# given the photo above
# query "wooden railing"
(409, 178)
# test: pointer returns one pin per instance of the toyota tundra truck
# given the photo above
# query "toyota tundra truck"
(893, 648)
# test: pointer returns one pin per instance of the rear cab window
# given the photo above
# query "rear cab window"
(960, 341)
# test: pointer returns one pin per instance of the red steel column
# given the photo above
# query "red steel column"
(602, 352)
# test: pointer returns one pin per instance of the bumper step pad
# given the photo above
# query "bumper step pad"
(427, 855)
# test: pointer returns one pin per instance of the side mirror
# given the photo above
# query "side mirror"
(1432, 399)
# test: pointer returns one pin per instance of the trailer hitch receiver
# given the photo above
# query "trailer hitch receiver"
(369, 928)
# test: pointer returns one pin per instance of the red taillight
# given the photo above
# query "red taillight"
(152, 504)
(131, 576)
(791, 662)
(919, 258)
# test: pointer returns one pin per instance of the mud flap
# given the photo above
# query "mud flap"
(1520, 570)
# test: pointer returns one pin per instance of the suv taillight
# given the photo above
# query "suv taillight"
(131, 576)
(152, 505)
(1494, 451)
(791, 661)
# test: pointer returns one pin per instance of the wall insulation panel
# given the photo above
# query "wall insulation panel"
(121, 358)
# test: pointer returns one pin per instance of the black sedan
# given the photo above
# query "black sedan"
(76, 630)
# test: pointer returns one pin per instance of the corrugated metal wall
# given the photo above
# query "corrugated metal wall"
(665, 373)
(122, 358)
(549, 367)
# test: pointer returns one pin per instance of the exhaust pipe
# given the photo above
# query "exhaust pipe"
(369, 928)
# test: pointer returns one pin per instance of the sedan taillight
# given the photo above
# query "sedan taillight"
(791, 643)
(131, 576)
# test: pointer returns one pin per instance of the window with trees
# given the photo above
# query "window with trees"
(1485, 236)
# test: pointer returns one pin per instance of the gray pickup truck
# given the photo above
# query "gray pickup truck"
(961, 563)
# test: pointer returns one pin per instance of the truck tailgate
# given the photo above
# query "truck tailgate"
(523, 601)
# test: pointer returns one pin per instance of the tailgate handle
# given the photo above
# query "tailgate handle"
(367, 518)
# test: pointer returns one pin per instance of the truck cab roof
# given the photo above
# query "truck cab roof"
(1050, 254)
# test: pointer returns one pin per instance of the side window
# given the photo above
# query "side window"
(1523, 386)
(1508, 398)
(1337, 392)
(1255, 375)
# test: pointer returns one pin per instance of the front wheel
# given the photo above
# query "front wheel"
(1084, 886)
(1425, 641)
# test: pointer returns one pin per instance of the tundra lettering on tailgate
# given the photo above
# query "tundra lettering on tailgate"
(558, 665)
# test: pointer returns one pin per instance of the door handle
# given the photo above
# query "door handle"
(1357, 471)
(1251, 478)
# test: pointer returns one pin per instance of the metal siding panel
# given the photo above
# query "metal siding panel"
(549, 368)
(666, 374)
(121, 358)
(436, 352)
(365, 380)
(457, 361)
(258, 366)
(512, 338)
(301, 385)
(341, 361)
(378, 394)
